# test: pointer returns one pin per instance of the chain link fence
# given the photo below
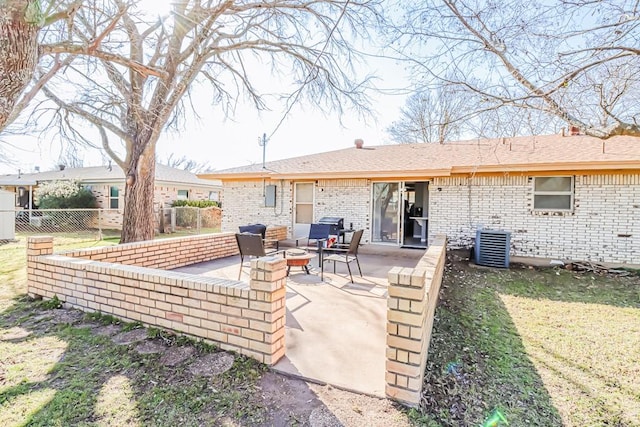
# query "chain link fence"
(189, 220)
(91, 222)
(100, 223)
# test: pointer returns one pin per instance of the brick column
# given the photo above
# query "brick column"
(267, 306)
(406, 344)
(36, 246)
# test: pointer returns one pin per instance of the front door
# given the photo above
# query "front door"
(386, 212)
(302, 208)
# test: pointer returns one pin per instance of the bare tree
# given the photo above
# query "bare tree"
(577, 60)
(29, 31)
(136, 81)
(186, 164)
(430, 116)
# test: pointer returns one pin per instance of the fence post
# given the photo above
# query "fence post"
(173, 220)
(199, 221)
(99, 224)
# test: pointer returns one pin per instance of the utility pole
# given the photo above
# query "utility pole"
(263, 143)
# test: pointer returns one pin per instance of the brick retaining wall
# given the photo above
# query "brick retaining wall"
(413, 296)
(245, 317)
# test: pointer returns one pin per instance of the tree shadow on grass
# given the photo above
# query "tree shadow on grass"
(91, 380)
(477, 363)
(558, 284)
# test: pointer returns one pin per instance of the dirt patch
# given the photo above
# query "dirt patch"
(150, 347)
(295, 402)
(212, 364)
(107, 330)
(14, 334)
(174, 356)
(360, 410)
(130, 337)
(290, 401)
(70, 317)
(322, 417)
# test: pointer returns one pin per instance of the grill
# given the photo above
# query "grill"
(337, 224)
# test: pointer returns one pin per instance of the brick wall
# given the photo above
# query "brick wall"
(243, 203)
(603, 227)
(245, 317)
(413, 296)
(346, 198)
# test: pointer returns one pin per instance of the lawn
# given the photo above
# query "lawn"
(64, 368)
(541, 347)
(538, 347)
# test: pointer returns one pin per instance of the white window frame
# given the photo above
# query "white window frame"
(117, 198)
(182, 197)
(554, 193)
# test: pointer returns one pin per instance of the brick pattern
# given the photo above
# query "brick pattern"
(165, 254)
(243, 203)
(346, 198)
(413, 296)
(163, 197)
(604, 225)
(245, 317)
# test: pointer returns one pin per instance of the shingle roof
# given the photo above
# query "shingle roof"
(538, 153)
(164, 174)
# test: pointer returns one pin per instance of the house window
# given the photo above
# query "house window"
(114, 195)
(553, 193)
(214, 196)
(183, 194)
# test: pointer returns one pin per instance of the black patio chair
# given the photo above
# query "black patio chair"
(262, 230)
(251, 245)
(346, 253)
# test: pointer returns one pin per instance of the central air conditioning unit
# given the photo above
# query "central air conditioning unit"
(492, 248)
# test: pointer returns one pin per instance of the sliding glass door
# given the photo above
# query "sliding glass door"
(386, 212)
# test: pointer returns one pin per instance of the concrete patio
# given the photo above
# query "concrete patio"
(335, 330)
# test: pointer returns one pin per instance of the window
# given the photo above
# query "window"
(183, 194)
(553, 193)
(114, 195)
(304, 203)
(214, 196)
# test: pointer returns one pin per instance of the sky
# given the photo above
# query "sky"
(223, 142)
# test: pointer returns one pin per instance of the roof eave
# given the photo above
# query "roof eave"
(549, 167)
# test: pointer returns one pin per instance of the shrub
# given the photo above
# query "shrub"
(195, 203)
(64, 195)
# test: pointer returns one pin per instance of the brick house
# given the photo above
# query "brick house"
(564, 197)
(107, 183)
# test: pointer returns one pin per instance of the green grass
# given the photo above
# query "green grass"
(60, 375)
(542, 347)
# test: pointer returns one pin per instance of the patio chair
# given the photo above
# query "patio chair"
(250, 244)
(346, 253)
(262, 230)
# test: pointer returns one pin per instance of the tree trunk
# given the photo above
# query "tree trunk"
(18, 52)
(138, 219)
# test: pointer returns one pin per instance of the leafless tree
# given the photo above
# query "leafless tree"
(430, 116)
(69, 156)
(577, 60)
(185, 163)
(136, 81)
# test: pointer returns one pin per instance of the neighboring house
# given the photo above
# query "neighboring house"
(565, 197)
(107, 183)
